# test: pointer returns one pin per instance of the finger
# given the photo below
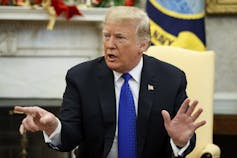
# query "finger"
(29, 124)
(25, 123)
(166, 117)
(199, 124)
(22, 130)
(184, 106)
(192, 107)
(26, 110)
(197, 114)
(33, 111)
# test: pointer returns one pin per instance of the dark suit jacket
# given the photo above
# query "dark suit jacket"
(88, 113)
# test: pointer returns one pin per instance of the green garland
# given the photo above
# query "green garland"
(118, 2)
(107, 3)
(104, 3)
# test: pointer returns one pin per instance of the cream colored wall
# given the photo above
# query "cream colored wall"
(221, 36)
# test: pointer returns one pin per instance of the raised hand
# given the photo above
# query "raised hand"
(182, 127)
(37, 119)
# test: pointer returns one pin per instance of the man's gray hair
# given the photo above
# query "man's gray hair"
(131, 14)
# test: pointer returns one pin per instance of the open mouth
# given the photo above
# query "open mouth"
(111, 57)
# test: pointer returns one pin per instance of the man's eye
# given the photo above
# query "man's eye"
(106, 36)
(121, 37)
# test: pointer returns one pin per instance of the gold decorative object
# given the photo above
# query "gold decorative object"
(24, 143)
(24, 139)
(221, 6)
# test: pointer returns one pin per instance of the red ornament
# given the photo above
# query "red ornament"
(61, 7)
(38, 1)
(5, 2)
(129, 2)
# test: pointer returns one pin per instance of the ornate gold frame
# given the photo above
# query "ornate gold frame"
(221, 6)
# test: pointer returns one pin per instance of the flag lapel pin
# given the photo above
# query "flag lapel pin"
(150, 87)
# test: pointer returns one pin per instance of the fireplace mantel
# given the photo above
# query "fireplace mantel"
(28, 13)
(34, 61)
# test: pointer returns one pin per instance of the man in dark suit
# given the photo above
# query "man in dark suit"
(165, 118)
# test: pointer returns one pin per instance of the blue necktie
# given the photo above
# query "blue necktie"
(127, 146)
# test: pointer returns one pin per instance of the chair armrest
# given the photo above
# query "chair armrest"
(211, 151)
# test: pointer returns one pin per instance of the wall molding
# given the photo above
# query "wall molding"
(43, 102)
(225, 103)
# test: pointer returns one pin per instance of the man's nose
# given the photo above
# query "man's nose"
(110, 42)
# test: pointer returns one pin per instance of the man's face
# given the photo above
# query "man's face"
(122, 49)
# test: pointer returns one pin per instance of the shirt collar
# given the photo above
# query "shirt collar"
(135, 72)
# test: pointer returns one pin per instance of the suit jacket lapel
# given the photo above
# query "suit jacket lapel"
(148, 88)
(105, 83)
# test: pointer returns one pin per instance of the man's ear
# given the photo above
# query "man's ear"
(144, 45)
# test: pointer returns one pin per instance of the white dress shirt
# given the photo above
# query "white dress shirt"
(134, 84)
